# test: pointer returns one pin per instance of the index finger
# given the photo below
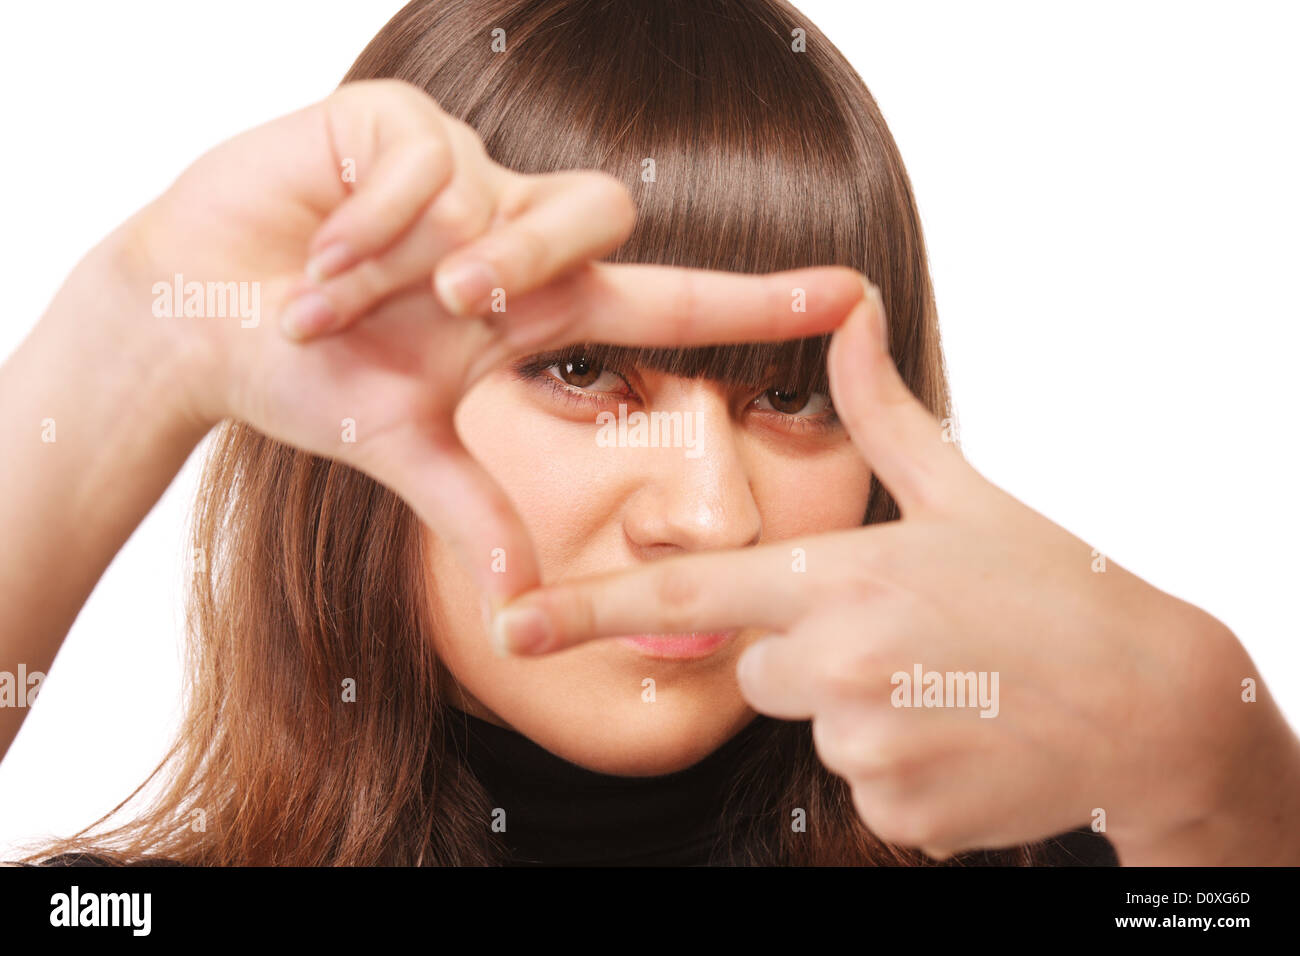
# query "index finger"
(714, 590)
(654, 305)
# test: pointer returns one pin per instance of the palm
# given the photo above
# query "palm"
(380, 359)
(399, 371)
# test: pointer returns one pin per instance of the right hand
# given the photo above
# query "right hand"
(395, 352)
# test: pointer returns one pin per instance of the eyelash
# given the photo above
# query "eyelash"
(539, 370)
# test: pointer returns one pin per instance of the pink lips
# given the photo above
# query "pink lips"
(678, 646)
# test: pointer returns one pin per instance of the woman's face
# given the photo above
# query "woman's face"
(749, 467)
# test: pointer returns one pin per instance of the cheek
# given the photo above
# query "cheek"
(570, 493)
(825, 491)
(564, 487)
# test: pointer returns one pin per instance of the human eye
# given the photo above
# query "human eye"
(575, 377)
(798, 409)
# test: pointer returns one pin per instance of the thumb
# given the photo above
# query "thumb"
(452, 493)
(899, 438)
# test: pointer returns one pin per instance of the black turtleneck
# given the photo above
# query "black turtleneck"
(558, 813)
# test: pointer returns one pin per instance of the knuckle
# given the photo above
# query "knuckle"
(895, 822)
(528, 251)
(864, 579)
(834, 684)
(514, 195)
(852, 674)
(419, 100)
(862, 747)
(677, 590)
(828, 742)
(858, 587)
(431, 154)
(616, 199)
(573, 614)
(464, 141)
(463, 132)
(847, 663)
(583, 617)
(400, 99)
(842, 743)
(458, 216)
(899, 828)
(684, 302)
(359, 289)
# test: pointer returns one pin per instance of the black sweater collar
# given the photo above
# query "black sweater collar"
(559, 813)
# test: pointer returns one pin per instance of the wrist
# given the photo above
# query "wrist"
(175, 362)
(120, 392)
(1259, 827)
(1239, 803)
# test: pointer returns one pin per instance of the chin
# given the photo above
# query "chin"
(622, 735)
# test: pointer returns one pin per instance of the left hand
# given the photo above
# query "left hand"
(1110, 693)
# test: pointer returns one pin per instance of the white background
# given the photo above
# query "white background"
(1110, 198)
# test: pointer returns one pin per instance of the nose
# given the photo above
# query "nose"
(693, 499)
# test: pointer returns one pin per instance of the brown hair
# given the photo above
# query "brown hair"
(764, 159)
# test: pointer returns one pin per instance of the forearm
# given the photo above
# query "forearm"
(93, 433)
(1249, 790)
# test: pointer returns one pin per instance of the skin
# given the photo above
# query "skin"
(363, 319)
(1133, 705)
(751, 484)
(1113, 694)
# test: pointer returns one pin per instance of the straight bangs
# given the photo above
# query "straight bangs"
(757, 174)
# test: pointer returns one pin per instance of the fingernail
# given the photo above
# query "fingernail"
(520, 631)
(308, 314)
(329, 262)
(466, 286)
(872, 292)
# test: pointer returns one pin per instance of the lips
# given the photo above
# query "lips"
(678, 646)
